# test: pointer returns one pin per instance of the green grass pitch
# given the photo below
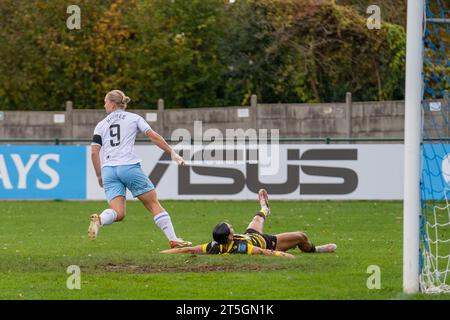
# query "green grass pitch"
(39, 240)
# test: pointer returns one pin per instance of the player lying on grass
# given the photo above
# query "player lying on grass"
(255, 241)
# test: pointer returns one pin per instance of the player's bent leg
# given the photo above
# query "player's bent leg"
(116, 212)
(257, 224)
(263, 198)
(305, 245)
(162, 219)
(115, 194)
(142, 188)
(291, 240)
(118, 204)
(258, 220)
(151, 203)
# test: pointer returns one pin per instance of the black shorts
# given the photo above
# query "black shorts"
(271, 241)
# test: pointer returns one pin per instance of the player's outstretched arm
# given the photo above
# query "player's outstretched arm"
(193, 250)
(266, 252)
(160, 142)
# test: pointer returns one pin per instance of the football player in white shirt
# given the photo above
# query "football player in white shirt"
(120, 167)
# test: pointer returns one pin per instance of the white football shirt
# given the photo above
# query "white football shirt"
(117, 134)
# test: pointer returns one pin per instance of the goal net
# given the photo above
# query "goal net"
(435, 173)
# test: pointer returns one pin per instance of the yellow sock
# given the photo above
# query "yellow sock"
(264, 211)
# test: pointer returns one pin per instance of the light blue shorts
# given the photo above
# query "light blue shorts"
(119, 178)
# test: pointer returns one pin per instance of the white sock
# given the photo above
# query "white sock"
(162, 220)
(331, 247)
(321, 249)
(108, 216)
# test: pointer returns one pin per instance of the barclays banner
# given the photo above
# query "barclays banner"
(43, 172)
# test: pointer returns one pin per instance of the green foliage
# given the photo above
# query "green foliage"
(391, 11)
(177, 52)
(437, 52)
(195, 53)
(316, 51)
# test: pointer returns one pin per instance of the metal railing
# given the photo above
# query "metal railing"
(325, 140)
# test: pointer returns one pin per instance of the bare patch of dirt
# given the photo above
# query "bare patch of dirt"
(131, 268)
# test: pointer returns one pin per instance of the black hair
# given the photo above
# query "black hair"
(221, 233)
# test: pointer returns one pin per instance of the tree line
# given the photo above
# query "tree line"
(197, 53)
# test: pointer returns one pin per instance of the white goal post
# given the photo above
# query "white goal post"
(412, 160)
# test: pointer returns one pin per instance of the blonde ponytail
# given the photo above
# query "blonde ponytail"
(118, 98)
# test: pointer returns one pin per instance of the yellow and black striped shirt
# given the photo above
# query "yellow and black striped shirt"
(242, 243)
